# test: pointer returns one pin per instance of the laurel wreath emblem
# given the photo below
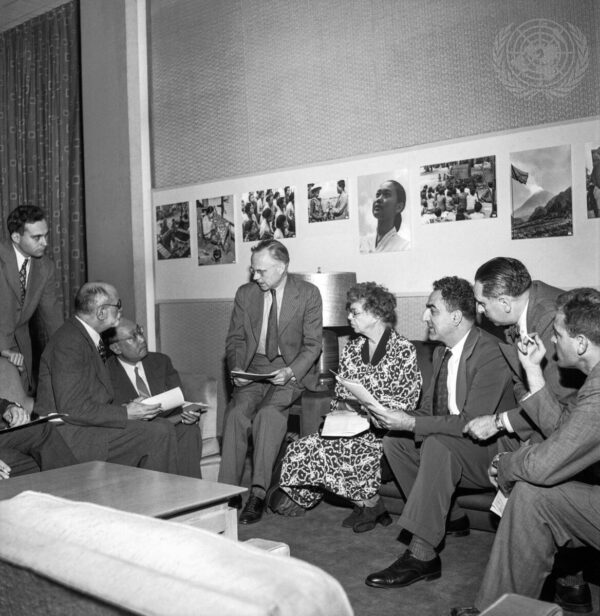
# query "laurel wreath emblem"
(540, 57)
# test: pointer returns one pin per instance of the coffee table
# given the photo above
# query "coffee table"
(160, 495)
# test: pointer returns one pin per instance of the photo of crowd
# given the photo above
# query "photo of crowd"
(173, 231)
(327, 201)
(458, 190)
(383, 220)
(541, 193)
(268, 214)
(216, 230)
(592, 177)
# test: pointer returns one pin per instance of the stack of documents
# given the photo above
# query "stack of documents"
(344, 423)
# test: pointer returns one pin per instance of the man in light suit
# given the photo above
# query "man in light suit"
(74, 380)
(276, 330)
(136, 373)
(26, 284)
(469, 377)
(554, 485)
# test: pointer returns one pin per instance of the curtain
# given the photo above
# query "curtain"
(41, 135)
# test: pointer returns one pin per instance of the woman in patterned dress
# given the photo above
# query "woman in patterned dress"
(386, 364)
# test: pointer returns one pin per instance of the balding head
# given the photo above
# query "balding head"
(98, 304)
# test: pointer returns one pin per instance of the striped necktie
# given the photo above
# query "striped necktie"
(140, 385)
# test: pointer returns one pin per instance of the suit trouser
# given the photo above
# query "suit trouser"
(189, 449)
(260, 409)
(42, 442)
(536, 522)
(429, 475)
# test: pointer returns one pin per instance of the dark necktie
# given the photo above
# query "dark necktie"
(271, 343)
(140, 385)
(102, 350)
(513, 333)
(440, 394)
(23, 280)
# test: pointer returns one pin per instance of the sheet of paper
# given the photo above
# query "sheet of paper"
(344, 423)
(54, 417)
(498, 504)
(252, 376)
(168, 400)
(358, 391)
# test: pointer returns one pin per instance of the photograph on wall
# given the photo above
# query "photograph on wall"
(216, 230)
(268, 214)
(383, 218)
(173, 231)
(458, 190)
(327, 201)
(541, 193)
(592, 179)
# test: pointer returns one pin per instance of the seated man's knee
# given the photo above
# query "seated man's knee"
(271, 413)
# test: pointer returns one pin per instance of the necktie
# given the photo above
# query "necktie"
(513, 333)
(271, 344)
(102, 350)
(140, 385)
(23, 279)
(440, 394)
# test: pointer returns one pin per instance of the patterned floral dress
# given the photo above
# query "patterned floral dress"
(351, 467)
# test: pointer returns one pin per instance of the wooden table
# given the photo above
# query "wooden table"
(159, 495)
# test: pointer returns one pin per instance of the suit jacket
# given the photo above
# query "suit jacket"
(73, 379)
(573, 447)
(160, 374)
(541, 310)
(300, 328)
(40, 296)
(483, 386)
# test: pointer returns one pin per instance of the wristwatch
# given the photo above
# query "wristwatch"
(499, 423)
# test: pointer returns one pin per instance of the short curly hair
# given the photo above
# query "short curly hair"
(457, 294)
(581, 308)
(376, 299)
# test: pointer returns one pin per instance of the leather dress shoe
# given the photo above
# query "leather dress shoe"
(253, 510)
(459, 527)
(349, 521)
(368, 517)
(235, 502)
(576, 599)
(405, 571)
(464, 611)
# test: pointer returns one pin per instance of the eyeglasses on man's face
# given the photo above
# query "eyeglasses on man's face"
(118, 305)
(136, 334)
(259, 272)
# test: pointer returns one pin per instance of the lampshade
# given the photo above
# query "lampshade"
(333, 287)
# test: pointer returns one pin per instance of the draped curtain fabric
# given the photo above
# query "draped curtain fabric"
(40, 135)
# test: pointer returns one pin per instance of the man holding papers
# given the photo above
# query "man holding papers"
(137, 374)
(275, 330)
(469, 377)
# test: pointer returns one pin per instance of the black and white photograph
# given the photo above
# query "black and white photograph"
(327, 201)
(173, 231)
(216, 230)
(383, 218)
(541, 193)
(592, 179)
(268, 214)
(458, 190)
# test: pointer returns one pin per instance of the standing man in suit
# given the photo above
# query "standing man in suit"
(554, 485)
(469, 376)
(26, 285)
(136, 374)
(75, 380)
(276, 330)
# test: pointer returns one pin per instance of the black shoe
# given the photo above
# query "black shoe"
(405, 571)
(349, 521)
(464, 611)
(369, 517)
(235, 502)
(459, 527)
(576, 599)
(253, 510)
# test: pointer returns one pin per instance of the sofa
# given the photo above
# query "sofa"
(64, 558)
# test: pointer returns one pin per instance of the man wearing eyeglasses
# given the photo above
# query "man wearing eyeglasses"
(275, 330)
(136, 374)
(75, 380)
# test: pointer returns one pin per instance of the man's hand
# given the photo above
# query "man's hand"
(239, 381)
(282, 376)
(15, 415)
(481, 428)
(493, 475)
(138, 410)
(190, 417)
(15, 358)
(392, 420)
(531, 354)
(4, 470)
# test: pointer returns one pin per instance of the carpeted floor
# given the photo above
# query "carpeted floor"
(319, 538)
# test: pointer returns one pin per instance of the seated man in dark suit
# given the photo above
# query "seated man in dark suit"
(73, 379)
(136, 374)
(41, 443)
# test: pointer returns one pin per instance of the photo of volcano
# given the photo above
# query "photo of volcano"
(541, 193)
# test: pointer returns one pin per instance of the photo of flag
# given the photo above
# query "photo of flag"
(517, 174)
